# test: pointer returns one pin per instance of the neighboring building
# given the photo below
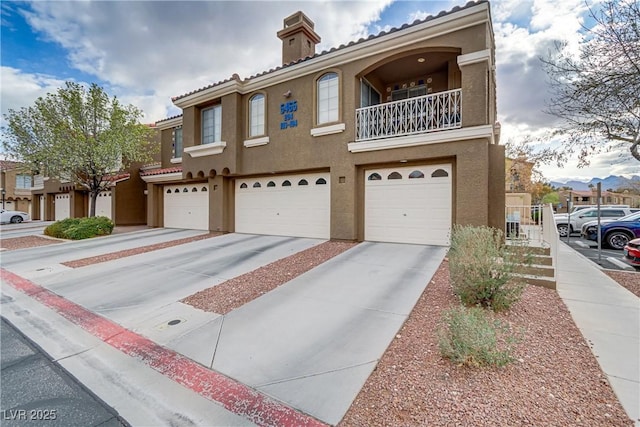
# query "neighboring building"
(390, 138)
(591, 198)
(15, 184)
(518, 173)
(124, 202)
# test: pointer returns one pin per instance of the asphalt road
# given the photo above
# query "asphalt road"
(37, 391)
(609, 258)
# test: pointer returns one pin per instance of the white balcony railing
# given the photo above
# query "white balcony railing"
(38, 182)
(428, 113)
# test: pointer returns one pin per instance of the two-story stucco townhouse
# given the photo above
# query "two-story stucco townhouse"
(390, 138)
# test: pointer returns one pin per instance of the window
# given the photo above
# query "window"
(243, 185)
(416, 174)
(368, 95)
(394, 175)
(271, 184)
(194, 190)
(374, 177)
(23, 181)
(286, 183)
(321, 181)
(177, 142)
(256, 115)
(211, 124)
(256, 185)
(303, 182)
(439, 173)
(327, 92)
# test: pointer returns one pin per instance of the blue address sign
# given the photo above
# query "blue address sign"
(287, 109)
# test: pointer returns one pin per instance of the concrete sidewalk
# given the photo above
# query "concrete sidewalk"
(608, 315)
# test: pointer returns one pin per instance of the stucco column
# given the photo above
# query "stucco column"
(220, 211)
(344, 191)
(475, 68)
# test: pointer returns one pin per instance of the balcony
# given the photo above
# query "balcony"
(423, 114)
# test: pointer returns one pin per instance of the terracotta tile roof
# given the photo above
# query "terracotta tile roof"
(161, 171)
(342, 46)
(8, 164)
(169, 118)
(118, 177)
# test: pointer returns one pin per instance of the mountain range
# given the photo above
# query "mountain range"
(613, 182)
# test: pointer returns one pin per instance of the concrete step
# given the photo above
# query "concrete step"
(537, 270)
(535, 250)
(545, 282)
(542, 260)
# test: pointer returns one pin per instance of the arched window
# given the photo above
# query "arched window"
(416, 174)
(303, 182)
(394, 175)
(205, 188)
(271, 184)
(374, 177)
(328, 98)
(194, 190)
(321, 181)
(256, 185)
(256, 115)
(169, 191)
(439, 173)
(286, 183)
(177, 190)
(243, 185)
(185, 190)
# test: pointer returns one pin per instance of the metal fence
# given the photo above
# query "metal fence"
(524, 223)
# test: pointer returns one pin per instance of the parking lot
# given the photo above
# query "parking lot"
(608, 258)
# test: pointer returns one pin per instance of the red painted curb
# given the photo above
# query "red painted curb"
(232, 395)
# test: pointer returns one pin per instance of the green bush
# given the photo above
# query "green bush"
(470, 337)
(482, 267)
(80, 228)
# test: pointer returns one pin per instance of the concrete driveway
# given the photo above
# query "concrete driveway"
(311, 343)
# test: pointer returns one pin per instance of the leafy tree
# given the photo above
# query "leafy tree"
(553, 198)
(78, 134)
(597, 92)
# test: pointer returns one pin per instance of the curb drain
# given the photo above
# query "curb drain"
(174, 322)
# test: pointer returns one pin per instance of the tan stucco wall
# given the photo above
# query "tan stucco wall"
(478, 165)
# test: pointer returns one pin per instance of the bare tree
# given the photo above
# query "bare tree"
(597, 92)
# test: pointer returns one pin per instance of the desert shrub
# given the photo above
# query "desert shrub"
(482, 267)
(80, 228)
(471, 337)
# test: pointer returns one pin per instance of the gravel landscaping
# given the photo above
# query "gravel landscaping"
(555, 380)
(630, 280)
(26, 242)
(135, 251)
(240, 290)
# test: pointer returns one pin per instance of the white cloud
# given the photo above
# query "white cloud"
(170, 48)
(18, 89)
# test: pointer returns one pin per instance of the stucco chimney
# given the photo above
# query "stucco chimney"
(298, 38)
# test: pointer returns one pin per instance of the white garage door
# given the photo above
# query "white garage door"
(186, 206)
(289, 205)
(103, 204)
(63, 206)
(408, 204)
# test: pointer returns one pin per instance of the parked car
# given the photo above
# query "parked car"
(571, 223)
(632, 253)
(581, 207)
(13, 216)
(604, 221)
(615, 234)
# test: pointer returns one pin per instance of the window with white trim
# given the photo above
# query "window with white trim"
(256, 115)
(212, 124)
(328, 99)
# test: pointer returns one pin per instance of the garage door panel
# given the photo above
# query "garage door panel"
(294, 210)
(409, 210)
(186, 209)
(62, 206)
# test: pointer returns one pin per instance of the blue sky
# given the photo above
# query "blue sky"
(145, 52)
